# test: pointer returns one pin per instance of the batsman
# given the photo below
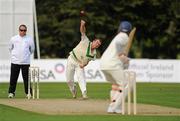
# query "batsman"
(113, 62)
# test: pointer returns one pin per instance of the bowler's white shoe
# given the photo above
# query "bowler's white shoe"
(11, 95)
(84, 95)
(28, 96)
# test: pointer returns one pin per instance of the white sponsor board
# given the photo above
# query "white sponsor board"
(147, 70)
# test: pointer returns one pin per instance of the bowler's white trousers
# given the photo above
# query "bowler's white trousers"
(72, 69)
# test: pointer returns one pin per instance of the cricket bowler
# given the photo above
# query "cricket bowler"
(79, 57)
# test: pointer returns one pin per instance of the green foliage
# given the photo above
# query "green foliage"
(157, 23)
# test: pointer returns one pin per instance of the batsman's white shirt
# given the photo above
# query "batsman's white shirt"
(110, 59)
(21, 48)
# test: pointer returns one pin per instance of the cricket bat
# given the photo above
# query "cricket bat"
(131, 37)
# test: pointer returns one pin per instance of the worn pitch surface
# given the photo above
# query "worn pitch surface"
(79, 106)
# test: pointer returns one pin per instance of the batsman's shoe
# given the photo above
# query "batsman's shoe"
(118, 111)
(84, 95)
(11, 95)
(74, 93)
(110, 110)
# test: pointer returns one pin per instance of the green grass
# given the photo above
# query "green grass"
(60, 90)
(164, 94)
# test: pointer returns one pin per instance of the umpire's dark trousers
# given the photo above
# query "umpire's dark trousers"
(15, 69)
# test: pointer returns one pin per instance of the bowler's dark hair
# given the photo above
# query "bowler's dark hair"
(98, 37)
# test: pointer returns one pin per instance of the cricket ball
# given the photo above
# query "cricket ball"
(82, 13)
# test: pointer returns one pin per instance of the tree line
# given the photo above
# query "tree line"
(157, 23)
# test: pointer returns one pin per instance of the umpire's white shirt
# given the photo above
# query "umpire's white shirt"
(110, 59)
(21, 49)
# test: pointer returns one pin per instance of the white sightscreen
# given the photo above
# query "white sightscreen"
(12, 14)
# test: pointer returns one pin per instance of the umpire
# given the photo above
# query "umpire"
(21, 48)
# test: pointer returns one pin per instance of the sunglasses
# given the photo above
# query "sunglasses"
(23, 30)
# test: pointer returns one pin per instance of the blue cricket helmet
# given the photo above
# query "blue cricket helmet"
(125, 26)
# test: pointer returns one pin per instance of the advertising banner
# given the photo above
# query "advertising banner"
(147, 70)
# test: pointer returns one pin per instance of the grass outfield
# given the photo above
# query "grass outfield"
(164, 94)
(150, 93)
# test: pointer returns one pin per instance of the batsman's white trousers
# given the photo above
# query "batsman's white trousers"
(72, 69)
(115, 76)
